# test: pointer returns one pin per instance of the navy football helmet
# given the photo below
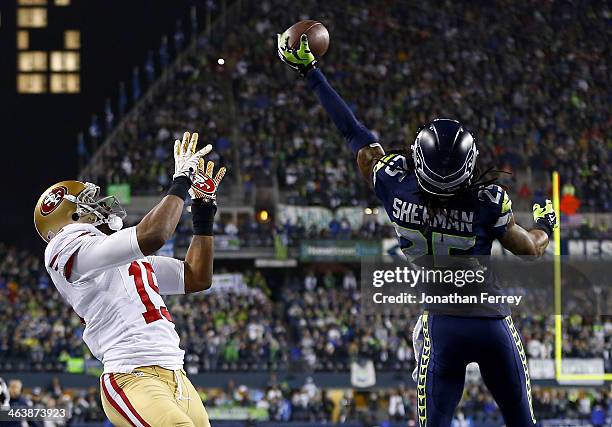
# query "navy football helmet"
(444, 154)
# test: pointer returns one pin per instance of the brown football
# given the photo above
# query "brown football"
(318, 36)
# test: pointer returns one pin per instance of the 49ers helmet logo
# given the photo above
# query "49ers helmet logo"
(204, 184)
(52, 200)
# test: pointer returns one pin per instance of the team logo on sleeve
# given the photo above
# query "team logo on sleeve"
(52, 200)
(203, 184)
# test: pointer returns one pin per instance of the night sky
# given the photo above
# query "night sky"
(39, 132)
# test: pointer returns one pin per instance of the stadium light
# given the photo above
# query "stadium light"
(263, 216)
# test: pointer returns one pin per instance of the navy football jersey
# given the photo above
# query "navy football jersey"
(467, 226)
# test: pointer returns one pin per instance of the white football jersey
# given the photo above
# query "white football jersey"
(116, 291)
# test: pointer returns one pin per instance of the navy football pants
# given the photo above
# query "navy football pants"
(449, 344)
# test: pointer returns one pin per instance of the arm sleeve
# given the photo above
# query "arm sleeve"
(378, 175)
(355, 133)
(99, 253)
(170, 274)
(504, 214)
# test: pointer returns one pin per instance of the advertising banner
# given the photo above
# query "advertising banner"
(590, 248)
(237, 413)
(339, 250)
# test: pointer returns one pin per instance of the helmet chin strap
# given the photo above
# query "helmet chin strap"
(106, 210)
(114, 222)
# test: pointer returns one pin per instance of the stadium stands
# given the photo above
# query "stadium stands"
(311, 403)
(313, 321)
(231, 331)
(532, 92)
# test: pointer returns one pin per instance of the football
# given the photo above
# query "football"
(318, 36)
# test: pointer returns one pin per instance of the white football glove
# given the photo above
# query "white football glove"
(186, 158)
(203, 185)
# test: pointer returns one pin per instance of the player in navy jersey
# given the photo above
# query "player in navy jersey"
(440, 205)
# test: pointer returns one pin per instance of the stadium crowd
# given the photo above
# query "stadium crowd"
(330, 331)
(311, 403)
(38, 330)
(533, 87)
(231, 331)
(315, 321)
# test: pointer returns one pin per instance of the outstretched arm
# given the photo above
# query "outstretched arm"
(158, 225)
(199, 258)
(362, 141)
(367, 158)
(199, 264)
(97, 253)
(195, 273)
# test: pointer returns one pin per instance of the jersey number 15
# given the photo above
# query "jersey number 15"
(153, 313)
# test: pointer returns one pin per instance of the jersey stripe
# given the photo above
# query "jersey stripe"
(383, 162)
(506, 204)
(523, 357)
(111, 400)
(422, 373)
(126, 401)
(69, 264)
(65, 246)
(503, 220)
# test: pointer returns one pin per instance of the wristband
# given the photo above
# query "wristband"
(545, 228)
(203, 216)
(180, 187)
(303, 70)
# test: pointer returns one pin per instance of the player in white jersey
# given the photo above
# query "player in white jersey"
(113, 281)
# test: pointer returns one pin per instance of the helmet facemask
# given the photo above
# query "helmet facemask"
(443, 186)
(438, 177)
(105, 210)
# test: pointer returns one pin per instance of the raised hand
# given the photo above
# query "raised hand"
(301, 59)
(204, 186)
(545, 217)
(186, 158)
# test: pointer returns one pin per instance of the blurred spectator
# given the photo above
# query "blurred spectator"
(569, 202)
(17, 400)
(310, 281)
(397, 411)
(349, 281)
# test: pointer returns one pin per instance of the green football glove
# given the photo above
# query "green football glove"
(300, 59)
(545, 217)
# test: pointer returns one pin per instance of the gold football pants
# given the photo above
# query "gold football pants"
(152, 396)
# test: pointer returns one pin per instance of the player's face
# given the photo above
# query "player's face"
(15, 389)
